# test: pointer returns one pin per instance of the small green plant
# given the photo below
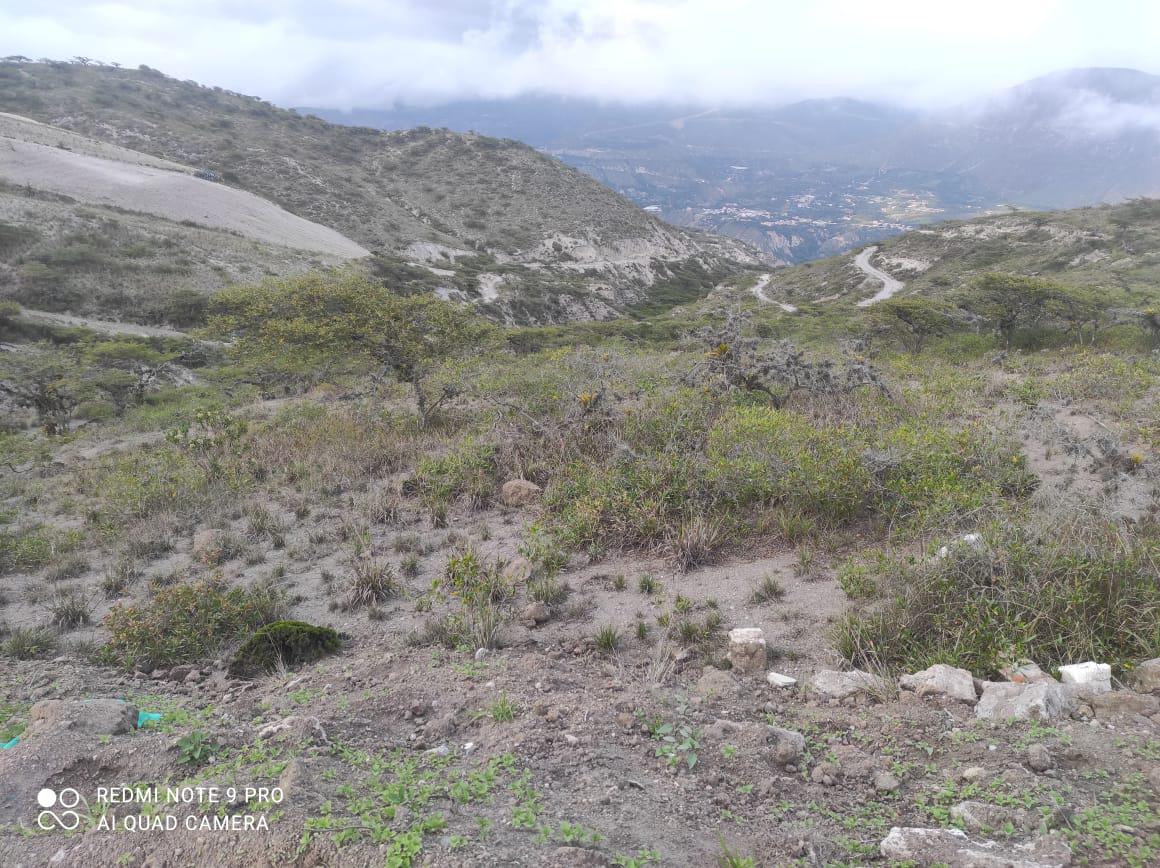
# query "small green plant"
(29, 643)
(647, 584)
(607, 639)
(503, 710)
(371, 581)
(678, 744)
(196, 748)
(768, 590)
(70, 609)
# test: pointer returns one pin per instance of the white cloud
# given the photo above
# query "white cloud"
(344, 53)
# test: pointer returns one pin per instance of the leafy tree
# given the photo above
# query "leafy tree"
(319, 318)
(910, 320)
(1012, 302)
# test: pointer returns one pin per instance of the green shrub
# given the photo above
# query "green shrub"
(184, 623)
(468, 472)
(283, 643)
(1059, 596)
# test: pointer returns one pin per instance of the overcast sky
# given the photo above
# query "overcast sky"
(372, 53)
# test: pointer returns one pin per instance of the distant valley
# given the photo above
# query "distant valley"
(819, 177)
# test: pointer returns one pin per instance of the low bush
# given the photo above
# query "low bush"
(184, 623)
(283, 643)
(1056, 596)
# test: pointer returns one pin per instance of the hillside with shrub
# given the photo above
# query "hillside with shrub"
(468, 591)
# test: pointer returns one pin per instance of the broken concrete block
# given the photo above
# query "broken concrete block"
(1092, 677)
(747, 650)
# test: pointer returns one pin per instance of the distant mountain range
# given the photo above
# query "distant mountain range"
(814, 178)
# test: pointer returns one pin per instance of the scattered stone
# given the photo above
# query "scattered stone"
(194, 677)
(747, 650)
(832, 684)
(1146, 677)
(1091, 676)
(578, 857)
(777, 680)
(973, 773)
(1123, 702)
(1025, 672)
(952, 847)
(788, 745)
(715, 682)
(535, 612)
(1039, 758)
(985, 817)
(297, 728)
(519, 492)
(941, 680)
(885, 782)
(825, 774)
(971, 540)
(96, 716)
(1042, 700)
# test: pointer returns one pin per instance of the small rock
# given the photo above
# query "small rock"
(481, 653)
(519, 492)
(518, 569)
(194, 677)
(296, 728)
(831, 684)
(1120, 702)
(885, 782)
(825, 774)
(96, 716)
(440, 750)
(973, 773)
(1039, 758)
(777, 680)
(788, 745)
(1042, 700)
(985, 817)
(571, 740)
(1146, 676)
(535, 612)
(1091, 676)
(747, 650)
(715, 682)
(941, 680)
(625, 720)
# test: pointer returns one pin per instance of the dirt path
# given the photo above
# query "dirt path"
(108, 327)
(890, 285)
(758, 291)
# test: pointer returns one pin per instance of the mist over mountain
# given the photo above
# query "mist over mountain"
(820, 176)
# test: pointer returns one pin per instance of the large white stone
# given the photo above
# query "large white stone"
(1043, 700)
(952, 847)
(1091, 676)
(832, 684)
(747, 650)
(941, 680)
(776, 679)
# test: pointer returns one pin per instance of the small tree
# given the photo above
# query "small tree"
(318, 318)
(910, 320)
(1012, 302)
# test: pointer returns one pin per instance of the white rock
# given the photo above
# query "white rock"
(941, 680)
(953, 847)
(1004, 700)
(970, 540)
(831, 684)
(1091, 676)
(747, 650)
(776, 679)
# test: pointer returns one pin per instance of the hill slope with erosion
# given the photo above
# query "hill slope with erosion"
(478, 219)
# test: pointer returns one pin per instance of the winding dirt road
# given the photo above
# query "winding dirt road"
(758, 290)
(890, 285)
